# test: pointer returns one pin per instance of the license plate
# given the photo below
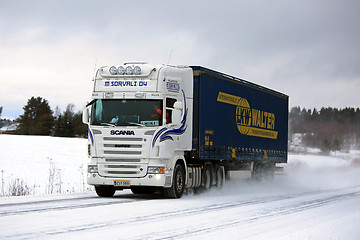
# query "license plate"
(122, 183)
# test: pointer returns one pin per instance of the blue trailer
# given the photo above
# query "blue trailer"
(237, 124)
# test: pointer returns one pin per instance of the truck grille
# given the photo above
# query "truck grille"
(122, 169)
(118, 160)
(122, 146)
(122, 157)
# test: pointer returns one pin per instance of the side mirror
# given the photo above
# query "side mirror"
(85, 116)
(177, 113)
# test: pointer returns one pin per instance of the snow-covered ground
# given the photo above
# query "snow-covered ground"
(317, 197)
(44, 164)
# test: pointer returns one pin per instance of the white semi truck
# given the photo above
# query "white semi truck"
(168, 128)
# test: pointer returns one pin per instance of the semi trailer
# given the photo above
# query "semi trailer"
(172, 128)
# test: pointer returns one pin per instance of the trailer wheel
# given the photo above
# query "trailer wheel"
(263, 171)
(207, 177)
(178, 186)
(105, 191)
(258, 171)
(219, 175)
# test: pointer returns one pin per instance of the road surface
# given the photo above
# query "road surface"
(239, 211)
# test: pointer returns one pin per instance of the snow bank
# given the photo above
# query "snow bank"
(34, 159)
(323, 172)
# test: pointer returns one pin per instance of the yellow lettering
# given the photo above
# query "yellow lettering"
(263, 133)
(245, 114)
(254, 117)
(273, 121)
(228, 98)
(263, 123)
(258, 122)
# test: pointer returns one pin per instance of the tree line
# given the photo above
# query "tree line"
(329, 129)
(39, 119)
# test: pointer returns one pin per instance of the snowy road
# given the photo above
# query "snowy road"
(251, 211)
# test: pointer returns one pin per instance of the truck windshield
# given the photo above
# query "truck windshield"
(121, 112)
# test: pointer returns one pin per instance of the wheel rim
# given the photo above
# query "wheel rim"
(179, 182)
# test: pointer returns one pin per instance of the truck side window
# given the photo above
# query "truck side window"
(97, 108)
(169, 107)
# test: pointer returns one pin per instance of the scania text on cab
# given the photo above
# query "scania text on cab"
(167, 128)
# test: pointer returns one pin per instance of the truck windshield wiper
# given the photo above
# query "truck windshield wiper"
(137, 124)
(108, 124)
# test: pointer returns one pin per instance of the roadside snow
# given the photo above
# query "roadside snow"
(30, 158)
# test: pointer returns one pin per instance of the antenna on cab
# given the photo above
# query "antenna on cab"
(170, 56)
(94, 74)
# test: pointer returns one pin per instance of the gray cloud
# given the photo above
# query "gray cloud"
(302, 48)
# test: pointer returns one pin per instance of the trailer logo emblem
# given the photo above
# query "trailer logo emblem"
(243, 116)
(250, 121)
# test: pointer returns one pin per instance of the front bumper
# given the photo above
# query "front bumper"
(155, 180)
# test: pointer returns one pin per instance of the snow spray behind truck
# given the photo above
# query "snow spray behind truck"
(168, 128)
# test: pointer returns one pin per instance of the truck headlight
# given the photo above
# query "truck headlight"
(121, 70)
(155, 170)
(92, 169)
(137, 70)
(113, 70)
(129, 70)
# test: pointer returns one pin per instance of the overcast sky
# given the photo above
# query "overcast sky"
(309, 49)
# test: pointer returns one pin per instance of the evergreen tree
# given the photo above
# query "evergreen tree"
(80, 128)
(336, 145)
(64, 122)
(1, 121)
(68, 119)
(37, 118)
(325, 146)
(69, 124)
(59, 127)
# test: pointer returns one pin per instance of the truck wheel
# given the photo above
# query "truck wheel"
(207, 177)
(105, 191)
(178, 186)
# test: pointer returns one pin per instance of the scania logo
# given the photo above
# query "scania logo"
(122, 132)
